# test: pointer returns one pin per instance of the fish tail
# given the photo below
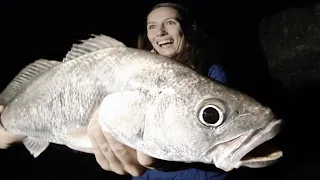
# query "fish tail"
(15, 87)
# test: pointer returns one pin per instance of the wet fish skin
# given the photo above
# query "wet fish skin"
(51, 101)
(149, 103)
(169, 126)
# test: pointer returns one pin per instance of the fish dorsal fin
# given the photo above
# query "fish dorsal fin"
(26, 75)
(96, 43)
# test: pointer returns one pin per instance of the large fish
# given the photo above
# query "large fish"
(145, 100)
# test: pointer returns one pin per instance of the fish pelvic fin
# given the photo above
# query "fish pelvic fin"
(77, 139)
(95, 43)
(35, 146)
(26, 75)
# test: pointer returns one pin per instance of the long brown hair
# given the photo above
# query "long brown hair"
(198, 52)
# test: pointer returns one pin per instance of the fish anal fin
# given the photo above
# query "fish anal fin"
(95, 43)
(35, 146)
(27, 74)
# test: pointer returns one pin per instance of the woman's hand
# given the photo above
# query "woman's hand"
(6, 138)
(114, 156)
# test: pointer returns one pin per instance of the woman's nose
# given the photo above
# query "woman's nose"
(162, 31)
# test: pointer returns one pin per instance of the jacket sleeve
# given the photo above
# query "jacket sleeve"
(186, 174)
(216, 72)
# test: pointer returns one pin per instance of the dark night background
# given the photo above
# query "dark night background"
(270, 50)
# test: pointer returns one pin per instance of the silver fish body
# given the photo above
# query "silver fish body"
(145, 100)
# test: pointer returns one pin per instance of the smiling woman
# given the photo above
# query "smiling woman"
(171, 31)
(164, 31)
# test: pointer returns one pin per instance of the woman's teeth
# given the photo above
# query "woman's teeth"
(165, 42)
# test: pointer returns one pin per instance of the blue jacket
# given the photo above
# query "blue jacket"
(217, 73)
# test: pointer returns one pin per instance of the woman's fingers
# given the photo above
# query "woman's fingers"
(126, 155)
(146, 161)
(102, 151)
(6, 138)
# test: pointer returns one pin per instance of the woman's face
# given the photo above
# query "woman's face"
(164, 31)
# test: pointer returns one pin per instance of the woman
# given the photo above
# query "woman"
(183, 41)
(170, 32)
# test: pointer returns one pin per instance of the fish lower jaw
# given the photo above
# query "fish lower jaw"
(258, 151)
(249, 153)
(261, 161)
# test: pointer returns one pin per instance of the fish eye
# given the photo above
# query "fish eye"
(211, 115)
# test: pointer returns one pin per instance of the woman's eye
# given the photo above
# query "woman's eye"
(170, 23)
(151, 27)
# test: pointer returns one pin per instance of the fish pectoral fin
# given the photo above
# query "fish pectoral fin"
(27, 74)
(96, 43)
(122, 115)
(35, 146)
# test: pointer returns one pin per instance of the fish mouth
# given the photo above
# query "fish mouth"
(257, 151)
